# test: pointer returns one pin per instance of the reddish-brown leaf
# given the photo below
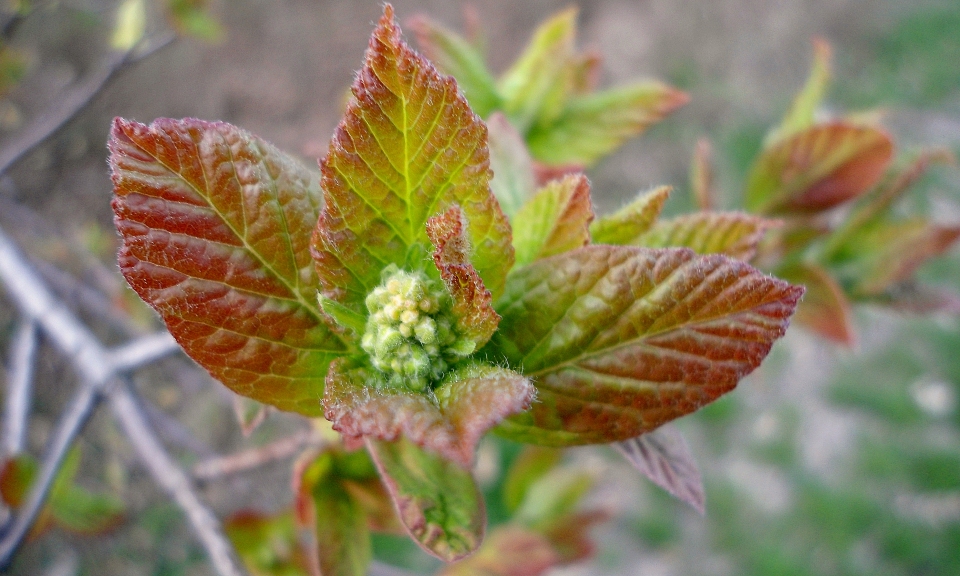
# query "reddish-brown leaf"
(467, 403)
(735, 234)
(472, 307)
(619, 340)
(662, 455)
(818, 168)
(825, 308)
(701, 176)
(407, 148)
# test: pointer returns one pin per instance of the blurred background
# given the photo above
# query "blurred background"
(827, 460)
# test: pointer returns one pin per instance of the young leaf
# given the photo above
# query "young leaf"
(735, 234)
(343, 539)
(817, 169)
(407, 148)
(662, 455)
(532, 464)
(513, 174)
(536, 87)
(472, 307)
(80, 511)
(455, 56)
(215, 227)
(437, 501)
(555, 220)
(17, 475)
(591, 127)
(509, 550)
(804, 106)
(469, 401)
(554, 496)
(619, 340)
(267, 545)
(825, 308)
(632, 221)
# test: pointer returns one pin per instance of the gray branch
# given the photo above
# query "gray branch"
(19, 388)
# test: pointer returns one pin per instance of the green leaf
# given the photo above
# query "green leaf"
(407, 148)
(627, 225)
(509, 550)
(130, 25)
(557, 494)
(804, 106)
(78, 510)
(437, 500)
(817, 169)
(532, 464)
(267, 545)
(536, 86)
(467, 403)
(590, 127)
(472, 309)
(825, 308)
(555, 220)
(735, 234)
(456, 56)
(513, 174)
(192, 17)
(343, 539)
(215, 227)
(619, 340)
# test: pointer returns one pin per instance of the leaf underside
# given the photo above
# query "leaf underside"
(408, 147)
(215, 226)
(663, 456)
(619, 340)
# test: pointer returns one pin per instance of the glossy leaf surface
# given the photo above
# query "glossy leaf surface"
(818, 168)
(590, 127)
(215, 226)
(437, 501)
(407, 148)
(663, 456)
(557, 219)
(735, 234)
(629, 223)
(619, 340)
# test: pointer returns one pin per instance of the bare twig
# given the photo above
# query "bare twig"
(254, 457)
(142, 351)
(19, 388)
(171, 478)
(73, 101)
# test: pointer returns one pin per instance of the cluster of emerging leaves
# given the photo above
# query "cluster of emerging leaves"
(568, 329)
(811, 168)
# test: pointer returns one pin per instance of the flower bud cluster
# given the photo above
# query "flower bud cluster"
(410, 335)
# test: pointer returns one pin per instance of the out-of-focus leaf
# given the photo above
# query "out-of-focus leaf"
(804, 106)
(662, 455)
(130, 25)
(83, 512)
(509, 550)
(13, 66)
(215, 226)
(475, 317)
(553, 496)
(586, 71)
(592, 126)
(193, 18)
(817, 168)
(268, 545)
(250, 414)
(455, 56)
(701, 176)
(343, 539)
(632, 221)
(825, 308)
(373, 497)
(407, 148)
(570, 535)
(539, 82)
(468, 402)
(735, 234)
(532, 464)
(437, 500)
(16, 477)
(892, 251)
(877, 203)
(513, 176)
(919, 299)
(619, 340)
(557, 219)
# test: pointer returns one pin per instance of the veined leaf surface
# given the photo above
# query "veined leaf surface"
(735, 234)
(407, 148)
(818, 168)
(629, 223)
(619, 340)
(555, 220)
(663, 456)
(437, 501)
(215, 225)
(592, 126)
